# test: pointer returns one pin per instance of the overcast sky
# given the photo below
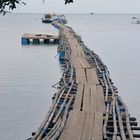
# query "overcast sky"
(81, 6)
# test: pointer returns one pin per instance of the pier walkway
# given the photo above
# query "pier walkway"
(27, 38)
(86, 119)
(87, 105)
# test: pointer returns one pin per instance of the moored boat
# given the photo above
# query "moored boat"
(47, 18)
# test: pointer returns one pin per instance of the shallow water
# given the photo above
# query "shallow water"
(27, 73)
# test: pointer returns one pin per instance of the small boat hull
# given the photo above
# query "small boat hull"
(46, 21)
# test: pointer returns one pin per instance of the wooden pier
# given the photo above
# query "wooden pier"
(39, 38)
(87, 105)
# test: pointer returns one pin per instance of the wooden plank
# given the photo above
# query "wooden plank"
(88, 126)
(40, 36)
(76, 63)
(88, 123)
(78, 98)
(73, 46)
(86, 98)
(74, 43)
(74, 55)
(98, 126)
(84, 63)
(100, 99)
(80, 76)
(93, 98)
(92, 76)
(74, 126)
(81, 53)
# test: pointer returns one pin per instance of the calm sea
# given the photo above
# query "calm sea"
(27, 72)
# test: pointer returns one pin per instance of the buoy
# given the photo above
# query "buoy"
(25, 41)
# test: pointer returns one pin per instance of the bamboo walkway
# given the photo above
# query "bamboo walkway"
(87, 105)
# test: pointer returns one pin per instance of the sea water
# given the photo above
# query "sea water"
(116, 40)
(26, 76)
(28, 72)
